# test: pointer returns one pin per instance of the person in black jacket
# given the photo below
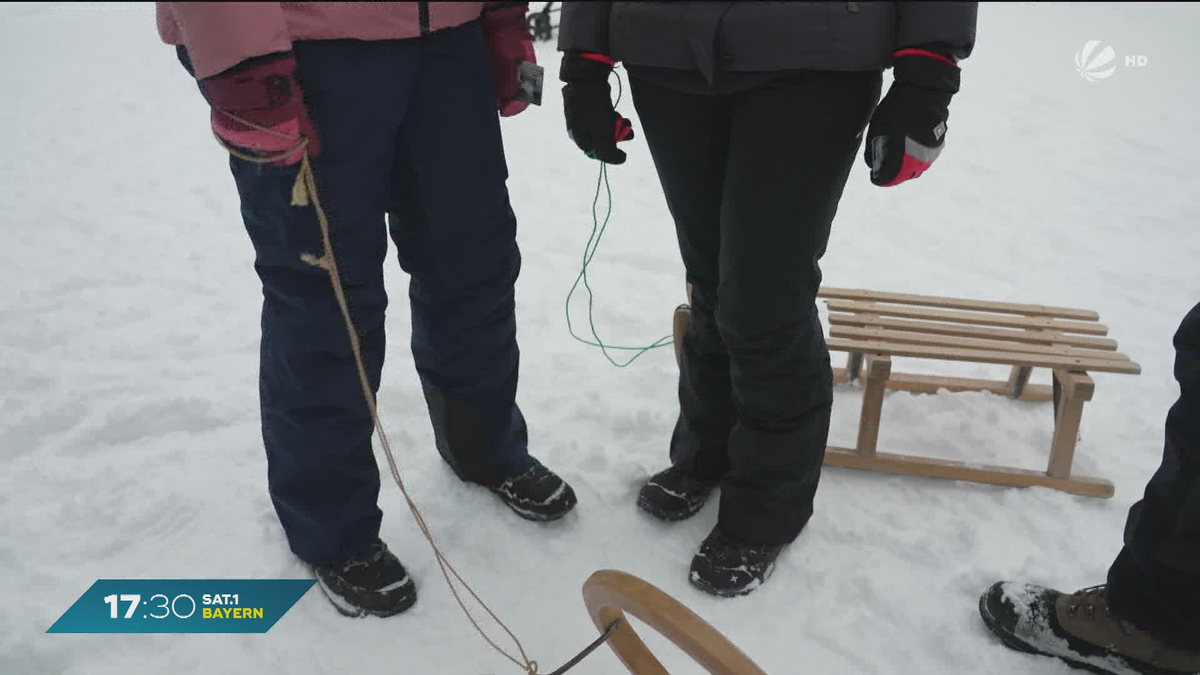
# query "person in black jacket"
(754, 113)
(1146, 619)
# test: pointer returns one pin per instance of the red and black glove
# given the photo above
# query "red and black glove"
(263, 92)
(908, 128)
(592, 121)
(509, 43)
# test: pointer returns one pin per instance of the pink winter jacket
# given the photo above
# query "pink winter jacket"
(218, 35)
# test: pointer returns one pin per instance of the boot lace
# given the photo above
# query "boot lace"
(1088, 599)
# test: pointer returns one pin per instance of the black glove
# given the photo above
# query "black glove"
(908, 129)
(592, 122)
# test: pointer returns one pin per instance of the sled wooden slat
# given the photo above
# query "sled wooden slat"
(873, 328)
(965, 330)
(976, 318)
(958, 303)
(983, 356)
(914, 338)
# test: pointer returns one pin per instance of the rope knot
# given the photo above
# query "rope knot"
(323, 262)
(300, 187)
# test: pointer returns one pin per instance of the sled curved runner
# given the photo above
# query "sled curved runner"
(872, 327)
(608, 594)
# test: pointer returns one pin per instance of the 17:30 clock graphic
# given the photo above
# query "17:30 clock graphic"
(181, 606)
(168, 605)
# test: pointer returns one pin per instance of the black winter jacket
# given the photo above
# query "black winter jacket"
(764, 37)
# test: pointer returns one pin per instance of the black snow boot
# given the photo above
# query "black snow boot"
(1080, 629)
(673, 495)
(372, 582)
(536, 494)
(726, 567)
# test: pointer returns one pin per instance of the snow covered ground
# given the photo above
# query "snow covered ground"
(129, 432)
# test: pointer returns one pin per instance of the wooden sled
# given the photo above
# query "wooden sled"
(608, 594)
(872, 327)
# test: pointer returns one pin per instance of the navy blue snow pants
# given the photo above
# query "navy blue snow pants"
(1155, 581)
(409, 131)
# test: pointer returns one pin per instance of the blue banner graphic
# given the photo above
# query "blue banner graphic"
(181, 606)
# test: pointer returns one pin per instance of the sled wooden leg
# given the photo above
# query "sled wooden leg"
(608, 594)
(679, 324)
(1056, 392)
(1017, 379)
(839, 376)
(1077, 388)
(678, 327)
(853, 366)
(878, 368)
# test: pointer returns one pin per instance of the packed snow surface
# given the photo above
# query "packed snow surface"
(129, 310)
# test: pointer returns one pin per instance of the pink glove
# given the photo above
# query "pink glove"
(509, 42)
(262, 91)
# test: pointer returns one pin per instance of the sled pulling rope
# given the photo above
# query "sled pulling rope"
(589, 251)
(607, 594)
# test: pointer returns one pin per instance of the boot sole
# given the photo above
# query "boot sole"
(346, 609)
(671, 516)
(721, 592)
(732, 592)
(535, 516)
(668, 516)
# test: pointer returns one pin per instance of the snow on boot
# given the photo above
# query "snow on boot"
(372, 582)
(536, 494)
(727, 567)
(673, 495)
(1079, 629)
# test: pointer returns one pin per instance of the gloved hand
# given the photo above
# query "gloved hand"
(262, 91)
(592, 122)
(908, 128)
(509, 41)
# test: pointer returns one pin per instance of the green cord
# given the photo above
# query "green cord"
(589, 251)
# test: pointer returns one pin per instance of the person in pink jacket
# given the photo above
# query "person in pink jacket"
(398, 102)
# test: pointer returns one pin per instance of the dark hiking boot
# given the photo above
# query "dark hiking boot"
(672, 495)
(536, 494)
(726, 567)
(372, 582)
(1079, 629)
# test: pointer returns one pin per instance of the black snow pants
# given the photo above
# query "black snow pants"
(752, 180)
(1155, 581)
